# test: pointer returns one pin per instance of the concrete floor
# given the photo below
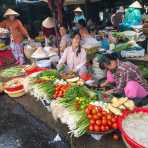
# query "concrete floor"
(27, 124)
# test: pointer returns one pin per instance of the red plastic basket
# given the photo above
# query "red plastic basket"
(127, 139)
(13, 89)
(86, 76)
(34, 70)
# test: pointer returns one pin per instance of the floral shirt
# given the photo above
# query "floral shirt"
(126, 71)
(18, 31)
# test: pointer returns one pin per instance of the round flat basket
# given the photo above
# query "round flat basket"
(102, 133)
(16, 94)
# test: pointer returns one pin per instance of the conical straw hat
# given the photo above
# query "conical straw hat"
(46, 1)
(11, 12)
(39, 54)
(78, 9)
(136, 4)
(48, 23)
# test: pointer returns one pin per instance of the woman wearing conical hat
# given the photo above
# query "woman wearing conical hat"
(18, 34)
(132, 18)
(48, 28)
(78, 15)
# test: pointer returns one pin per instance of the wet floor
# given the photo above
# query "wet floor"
(25, 123)
(19, 129)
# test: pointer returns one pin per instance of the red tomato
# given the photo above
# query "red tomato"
(94, 111)
(98, 122)
(116, 137)
(90, 107)
(92, 121)
(109, 117)
(104, 118)
(116, 117)
(99, 114)
(95, 117)
(109, 123)
(87, 111)
(96, 128)
(89, 116)
(106, 128)
(104, 122)
(114, 125)
(99, 109)
(114, 120)
(91, 128)
(102, 128)
(104, 112)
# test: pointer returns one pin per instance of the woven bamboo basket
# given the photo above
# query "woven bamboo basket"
(91, 52)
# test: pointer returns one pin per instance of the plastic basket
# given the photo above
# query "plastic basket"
(34, 70)
(16, 94)
(130, 142)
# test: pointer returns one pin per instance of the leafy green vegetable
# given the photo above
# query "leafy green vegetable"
(48, 73)
(122, 46)
(79, 91)
(47, 88)
(12, 72)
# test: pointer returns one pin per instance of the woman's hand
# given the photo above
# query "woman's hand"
(104, 84)
(29, 38)
(109, 91)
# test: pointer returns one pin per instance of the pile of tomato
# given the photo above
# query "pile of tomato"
(100, 120)
(60, 90)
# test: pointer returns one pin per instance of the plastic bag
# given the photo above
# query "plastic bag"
(58, 142)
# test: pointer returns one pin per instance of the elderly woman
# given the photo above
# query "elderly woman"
(18, 33)
(126, 76)
(74, 57)
(48, 28)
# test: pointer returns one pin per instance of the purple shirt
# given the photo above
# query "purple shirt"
(126, 71)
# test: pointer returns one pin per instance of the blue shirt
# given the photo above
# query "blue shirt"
(78, 17)
(105, 43)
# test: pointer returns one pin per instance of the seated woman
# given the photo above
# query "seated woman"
(126, 76)
(132, 18)
(74, 57)
(65, 38)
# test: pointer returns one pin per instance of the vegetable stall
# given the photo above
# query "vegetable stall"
(82, 109)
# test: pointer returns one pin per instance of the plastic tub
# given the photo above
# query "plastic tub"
(130, 142)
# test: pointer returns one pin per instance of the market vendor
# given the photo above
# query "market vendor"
(48, 27)
(74, 57)
(65, 38)
(117, 17)
(126, 76)
(104, 40)
(132, 18)
(78, 15)
(18, 33)
(83, 29)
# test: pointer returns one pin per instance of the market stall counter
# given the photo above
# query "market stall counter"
(65, 103)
